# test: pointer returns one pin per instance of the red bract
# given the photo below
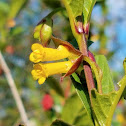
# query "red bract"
(91, 56)
(47, 102)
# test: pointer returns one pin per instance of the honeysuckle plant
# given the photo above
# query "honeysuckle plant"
(90, 74)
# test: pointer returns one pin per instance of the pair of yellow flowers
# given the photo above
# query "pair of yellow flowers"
(41, 55)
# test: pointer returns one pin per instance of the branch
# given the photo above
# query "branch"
(86, 66)
(14, 90)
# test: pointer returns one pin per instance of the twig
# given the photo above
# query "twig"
(87, 68)
(14, 90)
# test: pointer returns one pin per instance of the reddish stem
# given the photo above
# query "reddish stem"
(87, 68)
(89, 78)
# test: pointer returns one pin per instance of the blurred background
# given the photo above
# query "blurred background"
(44, 103)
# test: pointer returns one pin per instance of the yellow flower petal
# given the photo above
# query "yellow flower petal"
(34, 74)
(41, 53)
(57, 68)
(50, 54)
(35, 57)
(41, 80)
(36, 46)
(42, 71)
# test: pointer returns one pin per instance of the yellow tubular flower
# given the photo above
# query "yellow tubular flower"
(41, 53)
(42, 71)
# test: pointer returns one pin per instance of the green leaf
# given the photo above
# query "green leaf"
(97, 71)
(87, 9)
(72, 103)
(58, 122)
(79, 7)
(74, 43)
(101, 106)
(99, 0)
(4, 7)
(105, 104)
(116, 123)
(52, 3)
(77, 10)
(4, 10)
(83, 95)
(74, 9)
(82, 119)
(15, 7)
(107, 83)
(54, 84)
(124, 65)
(16, 30)
(89, 43)
(79, 116)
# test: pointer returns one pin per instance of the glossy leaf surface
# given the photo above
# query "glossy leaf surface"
(79, 12)
(83, 95)
(107, 83)
(79, 7)
(105, 104)
(79, 116)
(87, 9)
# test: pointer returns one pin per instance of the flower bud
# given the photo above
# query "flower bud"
(43, 31)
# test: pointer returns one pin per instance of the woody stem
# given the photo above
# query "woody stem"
(87, 68)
